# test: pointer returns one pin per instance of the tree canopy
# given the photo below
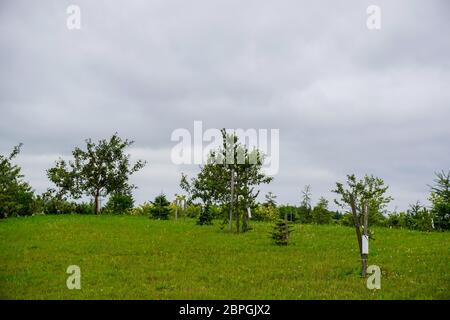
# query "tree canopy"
(99, 170)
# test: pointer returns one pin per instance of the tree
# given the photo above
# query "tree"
(229, 178)
(206, 215)
(440, 200)
(281, 232)
(305, 205)
(320, 213)
(271, 199)
(99, 170)
(419, 218)
(16, 195)
(358, 196)
(161, 208)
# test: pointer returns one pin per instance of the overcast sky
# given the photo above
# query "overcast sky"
(346, 99)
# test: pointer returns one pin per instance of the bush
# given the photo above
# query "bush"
(143, 210)
(206, 215)
(161, 208)
(263, 212)
(193, 211)
(119, 203)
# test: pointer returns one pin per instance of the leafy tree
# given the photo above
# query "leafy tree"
(320, 213)
(230, 178)
(16, 195)
(358, 195)
(161, 208)
(440, 200)
(101, 169)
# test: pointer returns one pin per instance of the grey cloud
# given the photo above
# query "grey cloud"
(345, 99)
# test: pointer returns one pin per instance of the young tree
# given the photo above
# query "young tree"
(358, 196)
(161, 208)
(281, 232)
(271, 199)
(99, 170)
(16, 195)
(230, 178)
(320, 213)
(440, 200)
(305, 205)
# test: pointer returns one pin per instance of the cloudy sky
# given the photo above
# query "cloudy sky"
(346, 99)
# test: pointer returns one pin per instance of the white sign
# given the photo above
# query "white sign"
(365, 244)
(249, 212)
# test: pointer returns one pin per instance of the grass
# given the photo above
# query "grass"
(128, 257)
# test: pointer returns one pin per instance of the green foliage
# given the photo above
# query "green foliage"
(100, 170)
(119, 203)
(213, 183)
(143, 210)
(265, 212)
(51, 203)
(193, 211)
(161, 208)
(16, 195)
(206, 215)
(321, 214)
(281, 232)
(440, 199)
(417, 217)
(291, 212)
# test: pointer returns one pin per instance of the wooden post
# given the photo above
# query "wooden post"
(231, 201)
(176, 209)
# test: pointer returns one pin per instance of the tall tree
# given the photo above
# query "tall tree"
(99, 170)
(230, 178)
(16, 195)
(358, 196)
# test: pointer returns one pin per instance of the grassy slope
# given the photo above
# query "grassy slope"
(124, 257)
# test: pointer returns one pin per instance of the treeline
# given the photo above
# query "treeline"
(220, 191)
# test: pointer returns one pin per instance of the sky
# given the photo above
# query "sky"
(345, 98)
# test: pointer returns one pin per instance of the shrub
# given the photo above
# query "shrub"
(143, 210)
(281, 232)
(206, 215)
(265, 212)
(119, 203)
(160, 208)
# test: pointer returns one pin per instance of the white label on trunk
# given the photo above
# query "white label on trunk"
(249, 212)
(365, 244)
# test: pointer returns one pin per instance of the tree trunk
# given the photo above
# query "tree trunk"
(230, 218)
(176, 210)
(96, 204)
(184, 210)
(356, 222)
(366, 227)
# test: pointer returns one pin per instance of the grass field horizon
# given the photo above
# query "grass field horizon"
(128, 257)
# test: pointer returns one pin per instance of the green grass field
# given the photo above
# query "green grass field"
(127, 257)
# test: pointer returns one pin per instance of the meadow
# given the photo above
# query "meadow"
(133, 257)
